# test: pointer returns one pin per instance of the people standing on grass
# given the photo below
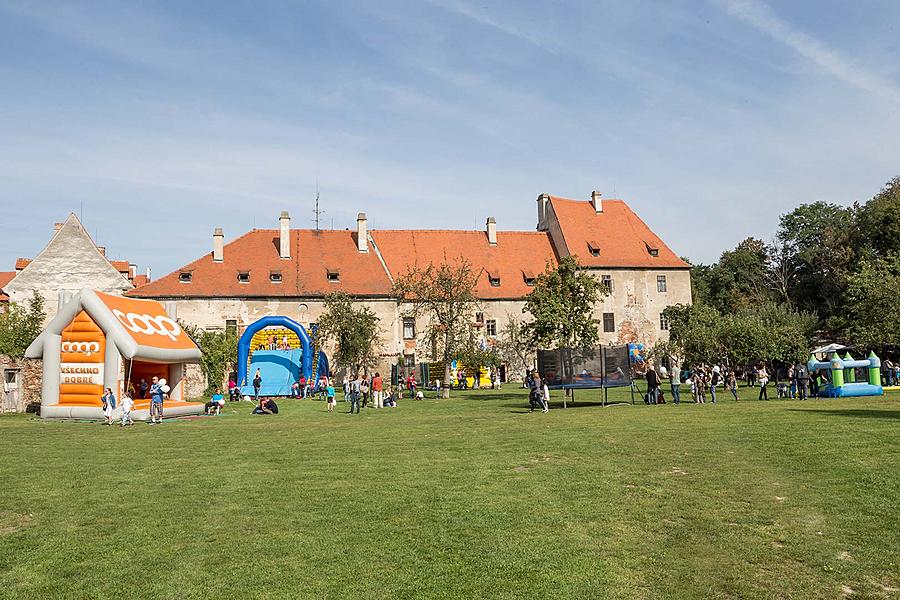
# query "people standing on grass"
(109, 405)
(675, 384)
(143, 388)
(127, 407)
(792, 382)
(411, 385)
(156, 401)
(731, 383)
(257, 384)
(545, 395)
(652, 385)
(700, 384)
(329, 394)
(714, 378)
(354, 394)
(378, 390)
(762, 377)
(801, 380)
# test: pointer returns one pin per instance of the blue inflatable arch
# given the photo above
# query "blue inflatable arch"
(247, 338)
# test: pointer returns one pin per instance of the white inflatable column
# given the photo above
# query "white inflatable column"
(51, 366)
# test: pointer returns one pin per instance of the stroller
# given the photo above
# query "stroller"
(783, 390)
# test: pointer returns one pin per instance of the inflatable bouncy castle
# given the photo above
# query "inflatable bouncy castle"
(840, 374)
(282, 351)
(99, 341)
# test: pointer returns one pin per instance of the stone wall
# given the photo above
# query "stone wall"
(194, 382)
(30, 377)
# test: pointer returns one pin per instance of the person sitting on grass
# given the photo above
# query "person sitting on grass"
(266, 406)
(216, 403)
(390, 397)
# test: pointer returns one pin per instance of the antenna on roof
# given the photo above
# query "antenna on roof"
(316, 210)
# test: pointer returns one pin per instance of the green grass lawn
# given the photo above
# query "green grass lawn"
(471, 497)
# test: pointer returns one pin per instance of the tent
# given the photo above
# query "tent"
(99, 340)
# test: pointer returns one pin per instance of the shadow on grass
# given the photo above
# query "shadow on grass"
(861, 413)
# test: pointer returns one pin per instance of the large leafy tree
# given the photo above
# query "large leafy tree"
(562, 307)
(515, 345)
(218, 353)
(20, 325)
(353, 330)
(874, 311)
(879, 220)
(444, 295)
(821, 244)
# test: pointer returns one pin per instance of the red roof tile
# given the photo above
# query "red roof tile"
(5, 278)
(257, 252)
(516, 253)
(21, 263)
(624, 240)
(140, 280)
(121, 266)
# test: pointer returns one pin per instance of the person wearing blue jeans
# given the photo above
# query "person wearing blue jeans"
(676, 386)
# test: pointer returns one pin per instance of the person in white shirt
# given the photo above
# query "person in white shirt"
(545, 396)
(127, 406)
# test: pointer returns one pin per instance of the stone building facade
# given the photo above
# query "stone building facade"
(286, 271)
(21, 378)
(70, 261)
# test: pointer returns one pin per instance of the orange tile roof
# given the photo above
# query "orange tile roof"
(21, 263)
(516, 254)
(624, 240)
(257, 252)
(5, 278)
(122, 266)
(140, 280)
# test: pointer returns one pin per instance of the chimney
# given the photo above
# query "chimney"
(102, 250)
(492, 231)
(218, 245)
(148, 274)
(542, 201)
(285, 239)
(362, 232)
(597, 201)
(132, 270)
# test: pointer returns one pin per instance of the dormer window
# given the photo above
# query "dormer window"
(243, 277)
(185, 277)
(334, 275)
(594, 247)
(529, 277)
(652, 250)
(275, 277)
(493, 277)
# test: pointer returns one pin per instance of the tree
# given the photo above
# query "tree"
(821, 243)
(20, 325)
(879, 220)
(445, 295)
(218, 353)
(515, 345)
(873, 309)
(353, 330)
(562, 306)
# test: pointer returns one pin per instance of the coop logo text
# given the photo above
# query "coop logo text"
(80, 347)
(148, 325)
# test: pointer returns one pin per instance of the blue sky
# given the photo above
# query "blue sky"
(167, 119)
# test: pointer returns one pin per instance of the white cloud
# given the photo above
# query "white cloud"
(762, 18)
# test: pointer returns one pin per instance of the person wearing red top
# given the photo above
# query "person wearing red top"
(378, 391)
(301, 388)
(411, 386)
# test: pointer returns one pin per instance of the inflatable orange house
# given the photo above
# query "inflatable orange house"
(98, 340)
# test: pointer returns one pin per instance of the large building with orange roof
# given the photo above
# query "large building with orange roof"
(289, 272)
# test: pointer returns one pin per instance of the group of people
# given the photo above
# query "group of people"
(890, 372)
(158, 392)
(539, 392)
(273, 343)
(367, 389)
(705, 380)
